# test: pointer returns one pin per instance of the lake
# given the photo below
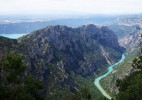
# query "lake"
(12, 36)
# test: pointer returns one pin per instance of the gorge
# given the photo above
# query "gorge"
(58, 54)
(110, 69)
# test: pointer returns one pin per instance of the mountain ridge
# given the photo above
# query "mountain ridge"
(56, 54)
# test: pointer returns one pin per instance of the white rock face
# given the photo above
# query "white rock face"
(132, 41)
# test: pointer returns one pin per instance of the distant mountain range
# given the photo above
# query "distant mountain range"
(26, 25)
(11, 26)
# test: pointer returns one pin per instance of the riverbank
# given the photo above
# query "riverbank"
(110, 69)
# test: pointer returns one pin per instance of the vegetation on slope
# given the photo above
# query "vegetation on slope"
(13, 84)
(130, 87)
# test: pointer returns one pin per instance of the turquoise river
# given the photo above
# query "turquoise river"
(110, 69)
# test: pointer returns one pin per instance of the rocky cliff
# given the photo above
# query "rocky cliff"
(132, 41)
(56, 53)
(79, 49)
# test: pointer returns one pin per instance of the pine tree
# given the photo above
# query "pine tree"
(13, 84)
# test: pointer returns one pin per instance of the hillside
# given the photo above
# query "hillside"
(124, 30)
(60, 56)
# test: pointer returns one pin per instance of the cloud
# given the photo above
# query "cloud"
(73, 6)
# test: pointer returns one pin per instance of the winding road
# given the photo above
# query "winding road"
(110, 69)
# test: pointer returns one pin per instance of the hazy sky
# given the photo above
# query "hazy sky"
(70, 6)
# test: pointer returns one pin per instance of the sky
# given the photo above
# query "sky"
(70, 6)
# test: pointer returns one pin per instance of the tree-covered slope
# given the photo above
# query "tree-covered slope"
(130, 87)
(14, 85)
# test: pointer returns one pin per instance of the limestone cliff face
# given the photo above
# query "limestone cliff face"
(77, 48)
(132, 41)
(56, 53)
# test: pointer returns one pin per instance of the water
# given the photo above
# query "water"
(12, 36)
(110, 69)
